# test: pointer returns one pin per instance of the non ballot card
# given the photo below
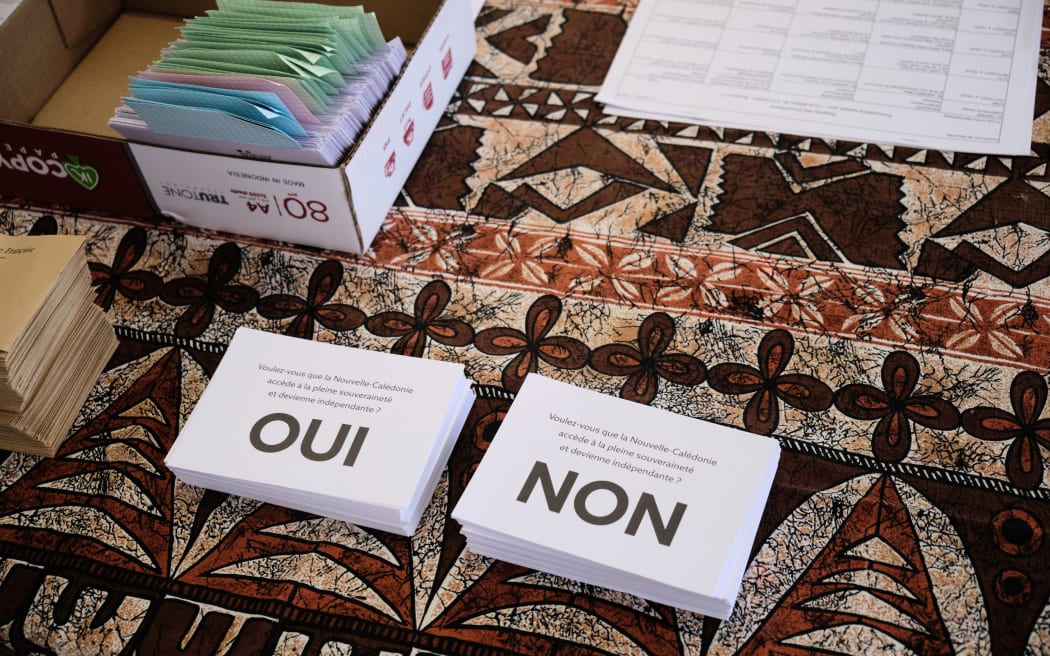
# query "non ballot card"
(620, 495)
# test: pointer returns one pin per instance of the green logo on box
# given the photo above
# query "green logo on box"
(86, 176)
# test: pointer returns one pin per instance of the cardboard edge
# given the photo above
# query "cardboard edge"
(35, 166)
(349, 193)
(80, 21)
(378, 111)
(369, 224)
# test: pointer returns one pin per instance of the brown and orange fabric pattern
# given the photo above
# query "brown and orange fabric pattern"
(884, 312)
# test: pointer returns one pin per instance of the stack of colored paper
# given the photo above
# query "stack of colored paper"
(620, 495)
(285, 81)
(346, 433)
(54, 340)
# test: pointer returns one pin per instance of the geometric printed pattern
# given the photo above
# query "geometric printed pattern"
(883, 312)
(871, 582)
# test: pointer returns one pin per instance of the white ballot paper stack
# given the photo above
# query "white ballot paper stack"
(620, 495)
(341, 432)
(957, 76)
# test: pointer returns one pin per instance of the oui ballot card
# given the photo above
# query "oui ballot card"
(620, 495)
(343, 432)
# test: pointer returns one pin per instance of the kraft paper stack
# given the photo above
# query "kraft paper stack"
(54, 341)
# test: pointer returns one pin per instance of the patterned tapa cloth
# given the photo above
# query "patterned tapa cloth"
(883, 312)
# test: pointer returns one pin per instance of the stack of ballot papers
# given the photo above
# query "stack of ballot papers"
(54, 341)
(285, 81)
(350, 434)
(620, 495)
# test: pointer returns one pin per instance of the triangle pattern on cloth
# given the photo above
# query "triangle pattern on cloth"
(878, 536)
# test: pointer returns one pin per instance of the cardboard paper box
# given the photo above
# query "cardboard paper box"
(73, 67)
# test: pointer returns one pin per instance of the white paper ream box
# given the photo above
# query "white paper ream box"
(340, 208)
(68, 68)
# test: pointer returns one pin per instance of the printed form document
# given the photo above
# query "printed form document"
(955, 75)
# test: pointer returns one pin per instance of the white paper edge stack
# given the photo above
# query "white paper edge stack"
(399, 520)
(472, 507)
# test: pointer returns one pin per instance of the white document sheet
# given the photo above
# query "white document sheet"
(955, 75)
